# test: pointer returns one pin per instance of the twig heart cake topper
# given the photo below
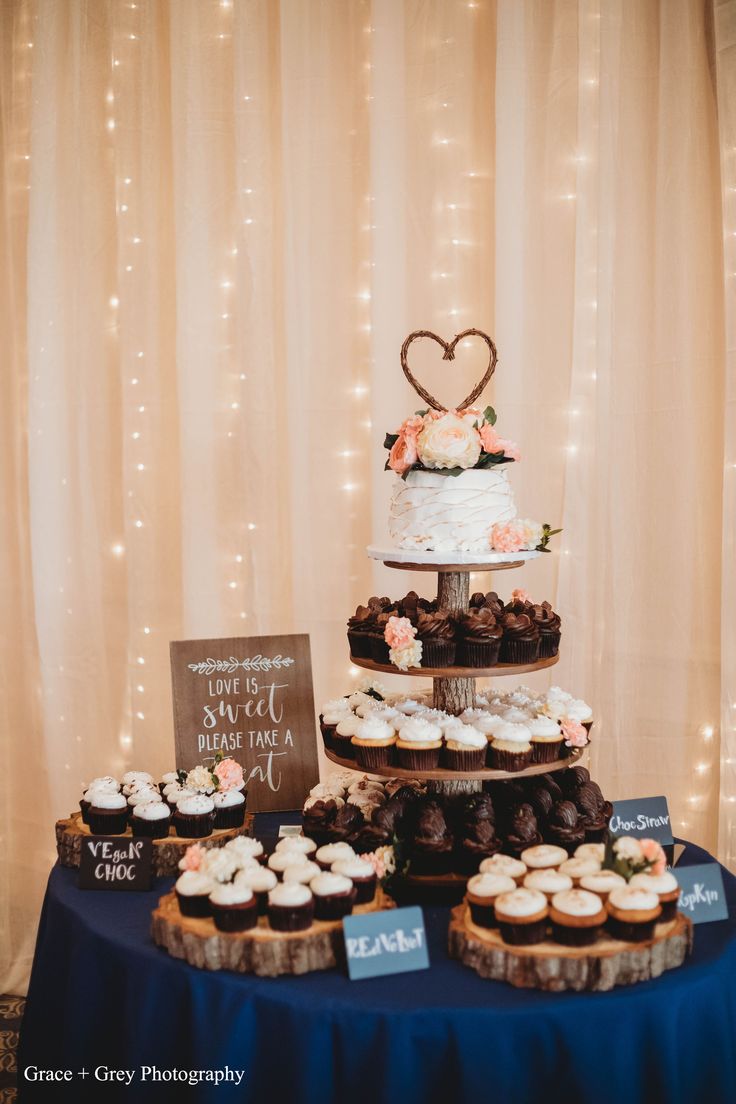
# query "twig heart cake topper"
(448, 354)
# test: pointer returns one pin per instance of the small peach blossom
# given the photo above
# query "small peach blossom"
(519, 595)
(229, 774)
(399, 632)
(489, 439)
(508, 448)
(574, 733)
(403, 454)
(507, 537)
(193, 857)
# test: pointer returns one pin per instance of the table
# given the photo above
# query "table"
(102, 994)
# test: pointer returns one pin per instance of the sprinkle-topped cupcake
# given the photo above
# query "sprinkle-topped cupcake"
(633, 912)
(510, 749)
(544, 855)
(362, 874)
(195, 816)
(229, 808)
(151, 819)
(667, 888)
(522, 916)
(548, 881)
(505, 864)
(108, 814)
(193, 893)
(577, 917)
(465, 748)
(482, 891)
(373, 743)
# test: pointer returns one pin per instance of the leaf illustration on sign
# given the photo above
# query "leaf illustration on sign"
(255, 663)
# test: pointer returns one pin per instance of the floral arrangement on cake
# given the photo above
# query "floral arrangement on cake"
(628, 856)
(450, 441)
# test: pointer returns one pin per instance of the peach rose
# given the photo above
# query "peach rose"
(448, 442)
(519, 595)
(229, 774)
(399, 632)
(403, 454)
(507, 536)
(489, 439)
(653, 853)
(574, 733)
(192, 858)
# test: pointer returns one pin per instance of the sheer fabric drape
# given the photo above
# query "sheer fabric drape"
(219, 220)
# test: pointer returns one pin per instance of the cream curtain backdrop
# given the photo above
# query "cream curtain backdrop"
(220, 218)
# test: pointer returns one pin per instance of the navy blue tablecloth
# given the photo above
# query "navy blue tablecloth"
(102, 994)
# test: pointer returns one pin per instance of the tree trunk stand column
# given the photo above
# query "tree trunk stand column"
(453, 594)
(454, 694)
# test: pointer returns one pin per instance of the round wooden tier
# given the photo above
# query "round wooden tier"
(440, 775)
(498, 671)
(261, 950)
(166, 852)
(554, 967)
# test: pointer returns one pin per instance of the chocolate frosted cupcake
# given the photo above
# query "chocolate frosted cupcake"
(633, 913)
(151, 819)
(379, 648)
(667, 888)
(229, 808)
(478, 842)
(510, 748)
(546, 739)
(522, 916)
(465, 748)
(432, 846)
(374, 743)
(563, 827)
(549, 624)
(290, 907)
(577, 917)
(437, 634)
(193, 893)
(519, 603)
(522, 831)
(334, 896)
(360, 627)
(318, 817)
(479, 639)
(418, 744)
(234, 907)
(520, 642)
(108, 814)
(482, 891)
(194, 817)
(594, 811)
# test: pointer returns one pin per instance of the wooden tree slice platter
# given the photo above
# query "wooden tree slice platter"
(440, 775)
(261, 950)
(498, 671)
(166, 852)
(553, 967)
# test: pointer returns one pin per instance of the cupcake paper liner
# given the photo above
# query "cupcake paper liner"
(328, 733)
(478, 653)
(235, 919)
(196, 905)
(365, 889)
(427, 862)
(360, 644)
(343, 746)
(438, 653)
(368, 757)
(231, 817)
(335, 906)
(194, 827)
(523, 935)
(630, 932)
(473, 759)
(151, 829)
(379, 649)
(519, 651)
(418, 758)
(108, 824)
(546, 752)
(549, 645)
(509, 760)
(574, 937)
(291, 918)
(483, 915)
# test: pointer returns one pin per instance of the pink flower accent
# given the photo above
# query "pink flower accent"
(507, 537)
(574, 733)
(377, 863)
(229, 774)
(403, 452)
(519, 595)
(399, 632)
(489, 439)
(653, 853)
(470, 414)
(508, 448)
(192, 857)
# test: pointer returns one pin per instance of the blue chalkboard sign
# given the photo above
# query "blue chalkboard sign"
(390, 942)
(642, 818)
(703, 897)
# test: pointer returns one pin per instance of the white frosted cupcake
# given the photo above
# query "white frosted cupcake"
(234, 907)
(193, 893)
(418, 744)
(331, 852)
(505, 864)
(633, 912)
(280, 860)
(591, 851)
(301, 872)
(546, 739)
(342, 737)
(334, 895)
(229, 808)
(194, 817)
(303, 844)
(522, 916)
(151, 819)
(246, 847)
(373, 743)
(465, 748)
(261, 880)
(577, 917)
(602, 882)
(511, 748)
(144, 794)
(548, 881)
(290, 907)
(667, 888)
(543, 855)
(482, 891)
(578, 868)
(361, 873)
(107, 814)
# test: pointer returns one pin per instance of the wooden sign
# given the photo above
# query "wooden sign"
(702, 896)
(250, 698)
(390, 942)
(115, 862)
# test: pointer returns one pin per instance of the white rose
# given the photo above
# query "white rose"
(200, 779)
(626, 847)
(410, 655)
(532, 533)
(220, 865)
(448, 442)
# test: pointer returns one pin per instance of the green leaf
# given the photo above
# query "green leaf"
(390, 440)
(490, 415)
(421, 413)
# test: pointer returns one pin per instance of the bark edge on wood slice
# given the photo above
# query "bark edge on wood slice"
(552, 967)
(166, 852)
(261, 950)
